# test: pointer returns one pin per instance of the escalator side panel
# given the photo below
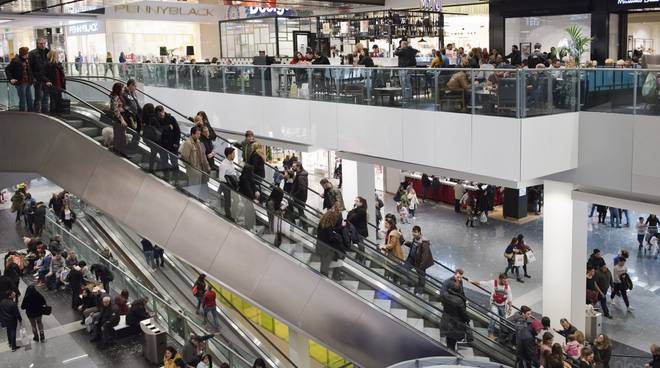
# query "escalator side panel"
(239, 265)
(114, 185)
(149, 206)
(285, 288)
(25, 155)
(71, 156)
(199, 234)
(332, 315)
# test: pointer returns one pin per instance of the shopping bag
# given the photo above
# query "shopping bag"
(530, 256)
(483, 218)
(25, 339)
(520, 260)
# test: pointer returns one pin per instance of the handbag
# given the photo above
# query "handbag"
(530, 256)
(46, 310)
(520, 260)
(25, 339)
(592, 296)
(483, 218)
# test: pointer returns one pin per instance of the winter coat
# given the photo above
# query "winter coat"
(33, 305)
(332, 196)
(358, 217)
(38, 61)
(420, 255)
(300, 185)
(15, 70)
(454, 318)
(171, 134)
(393, 244)
(193, 153)
(258, 163)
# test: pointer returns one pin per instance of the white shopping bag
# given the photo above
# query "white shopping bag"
(483, 218)
(25, 339)
(530, 256)
(520, 260)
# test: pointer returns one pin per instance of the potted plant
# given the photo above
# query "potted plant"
(579, 42)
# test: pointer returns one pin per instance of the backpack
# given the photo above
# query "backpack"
(195, 289)
(500, 298)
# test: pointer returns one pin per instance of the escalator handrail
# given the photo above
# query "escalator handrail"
(145, 289)
(219, 157)
(186, 118)
(483, 311)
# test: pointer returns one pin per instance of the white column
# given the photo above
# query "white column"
(392, 179)
(359, 180)
(299, 349)
(564, 255)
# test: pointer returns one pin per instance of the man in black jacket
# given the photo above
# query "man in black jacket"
(10, 317)
(170, 140)
(514, 57)
(136, 314)
(536, 57)
(406, 55)
(526, 346)
(107, 320)
(38, 59)
(300, 185)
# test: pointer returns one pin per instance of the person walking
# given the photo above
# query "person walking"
(20, 76)
(652, 224)
(170, 139)
(34, 305)
(56, 82)
(199, 289)
(413, 202)
(120, 123)
(300, 187)
(332, 197)
(228, 180)
(38, 60)
(619, 282)
(501, 300)
(419, 258)
(641, 228)
(459, 190)
(510, 255)
(455, 320)
(603, 279)
(392, 244)
(148, 250)
(523, 249)
(209, 306)
(329, 242)
(358, 218)
(10, 317)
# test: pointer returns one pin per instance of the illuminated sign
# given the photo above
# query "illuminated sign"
(432, 5)
(257, 11)
(85, 28)
(158, 10)
(633, 4)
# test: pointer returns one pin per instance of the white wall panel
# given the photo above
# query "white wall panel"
(496, 146)
(323, 118)
(453, 141)
(286, 119)
(373, 131)
(418, 136)
(605, 154)
(549, 144)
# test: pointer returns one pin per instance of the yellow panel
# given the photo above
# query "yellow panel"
(318, 352)
(267, 322)
(281, 330)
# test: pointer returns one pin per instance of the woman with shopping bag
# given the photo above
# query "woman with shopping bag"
(528, 255)
(514, 259)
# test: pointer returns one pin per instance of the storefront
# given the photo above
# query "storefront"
(466, 25)
(145, 29)
(640, 28)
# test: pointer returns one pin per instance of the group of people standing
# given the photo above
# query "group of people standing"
(41, 70)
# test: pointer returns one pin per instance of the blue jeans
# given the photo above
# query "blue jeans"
(214, 313)
(614, 218)
(24, 97)
(41, 98)
(149, 257)
(496, 310)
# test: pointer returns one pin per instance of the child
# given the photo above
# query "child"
(641, 231)
(572, 347)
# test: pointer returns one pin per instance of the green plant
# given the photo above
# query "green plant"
(579, 42)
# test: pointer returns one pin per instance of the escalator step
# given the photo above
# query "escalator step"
(417, 323)
(351, 285)
(367, 294)
(89, 131)
(401, 314)
(76, 123)
(383, 304)
(433, 332)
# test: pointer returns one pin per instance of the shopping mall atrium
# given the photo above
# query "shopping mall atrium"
(329, 183)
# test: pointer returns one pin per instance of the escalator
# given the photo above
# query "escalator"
(166, 315)
(172, 285)
(345, 312)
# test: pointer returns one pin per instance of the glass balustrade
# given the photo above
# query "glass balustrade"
(486, 91)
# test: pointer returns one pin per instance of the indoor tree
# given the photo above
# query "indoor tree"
(579, 42)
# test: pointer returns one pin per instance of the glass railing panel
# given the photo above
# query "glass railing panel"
(216, 78)
(323, 83)
(494, 92)
(609, 90)
(184, 76)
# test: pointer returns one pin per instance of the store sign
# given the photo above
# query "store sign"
(258, 11)
(85, 28)
(158, 10)
(633, 4)
(432, 5)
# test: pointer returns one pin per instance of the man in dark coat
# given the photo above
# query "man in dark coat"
(526, 346)
(455, 320)
(300, 185)
(38, 59)
(10, 317)
(419, 257)
(170, 140)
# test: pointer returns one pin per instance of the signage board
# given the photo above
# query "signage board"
(86, 28)
(165, 11)
(633, 4)
(259, 11)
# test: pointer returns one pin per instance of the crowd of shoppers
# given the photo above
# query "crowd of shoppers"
(39, 70)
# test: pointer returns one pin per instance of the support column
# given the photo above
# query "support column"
(392, 179)
(564, 255)
(359, 180)
(299, 349)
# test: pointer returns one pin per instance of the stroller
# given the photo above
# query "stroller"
(652, 246)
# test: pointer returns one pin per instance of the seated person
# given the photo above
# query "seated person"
(136, 314)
